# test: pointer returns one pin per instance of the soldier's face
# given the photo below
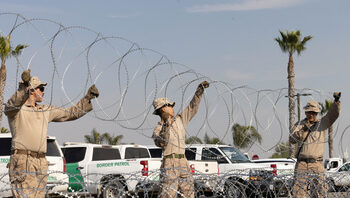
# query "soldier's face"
(311, 116)
(38, 94)
(167, 111)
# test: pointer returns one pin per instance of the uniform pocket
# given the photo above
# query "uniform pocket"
(18, 168)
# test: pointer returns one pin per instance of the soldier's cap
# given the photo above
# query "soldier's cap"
(161, 102)
(35, 82)
(312, 106)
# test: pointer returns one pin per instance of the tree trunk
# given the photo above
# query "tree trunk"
(291, 94)
(2, 87)
(330, 141)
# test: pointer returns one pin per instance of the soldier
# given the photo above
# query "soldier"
(169, 134)
(28, 124)
(310, 135)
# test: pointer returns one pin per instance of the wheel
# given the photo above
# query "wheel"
(234, 189)
(114, 189)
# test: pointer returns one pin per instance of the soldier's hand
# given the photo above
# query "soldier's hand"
(26, 77)
(307, 126)
(336, 96)
(92, 93)
(203, 84)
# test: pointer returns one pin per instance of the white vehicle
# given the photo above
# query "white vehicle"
(340, 178)
(57, 180)
(103, 170)
(236, 172)
(333, 164)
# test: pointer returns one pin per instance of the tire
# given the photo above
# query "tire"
(234, 189)
(114, 189)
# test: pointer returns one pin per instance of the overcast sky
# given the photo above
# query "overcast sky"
(227, 41)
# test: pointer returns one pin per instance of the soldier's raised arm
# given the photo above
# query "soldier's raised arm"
(14, 104)
(190, 111)
(332, 114)
(76, 111)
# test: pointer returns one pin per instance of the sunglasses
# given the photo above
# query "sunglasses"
(42, 89)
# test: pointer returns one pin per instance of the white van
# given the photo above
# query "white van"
(57, 180)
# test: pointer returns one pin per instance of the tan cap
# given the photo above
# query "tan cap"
(35, 82)
(312, 106)
(160, 102)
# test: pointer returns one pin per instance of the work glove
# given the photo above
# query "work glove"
(307, 125)
(26, 77)
(203, 85)
(92, 93)
(336, 96)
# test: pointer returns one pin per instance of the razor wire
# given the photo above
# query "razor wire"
(133, 76)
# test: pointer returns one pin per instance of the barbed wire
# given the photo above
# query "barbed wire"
(133, 76)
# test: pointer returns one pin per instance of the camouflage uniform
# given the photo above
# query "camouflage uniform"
(309, 170)
(28, 165)
(176, 175)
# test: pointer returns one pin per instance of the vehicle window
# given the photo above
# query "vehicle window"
(100, 154)
(190, 153)
(346, 167)
(156, 152)
(213, 154)
(74, 154)
(132, 153)
(333, 164)
(52, 148)
(5, 146)
(234, 155)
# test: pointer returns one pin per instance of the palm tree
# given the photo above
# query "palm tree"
(4, 130)
(6, 51)
(112, 140)
(213, 140)
(281, 151)
(193, 140)
(245, 136)
(324, 109)
(291, 42)
(94, 138)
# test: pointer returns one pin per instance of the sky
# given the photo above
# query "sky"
(226, 41)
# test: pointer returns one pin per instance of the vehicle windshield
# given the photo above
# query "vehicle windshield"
(234, 155)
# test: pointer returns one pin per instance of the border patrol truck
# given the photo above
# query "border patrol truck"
(104, 170)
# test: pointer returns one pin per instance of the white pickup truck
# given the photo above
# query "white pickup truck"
(57, 180)
(339, 179)
(103, 170)
(238, 176)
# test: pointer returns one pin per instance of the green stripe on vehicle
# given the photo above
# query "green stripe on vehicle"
(4, 160)
(76, 181)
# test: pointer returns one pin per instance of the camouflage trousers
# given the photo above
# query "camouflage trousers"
(309, 180)
(28, 176)
(176, 178)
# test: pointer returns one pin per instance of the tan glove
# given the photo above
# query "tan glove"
(307, 126)
(203, 85)
(92, 93)
(26, 77)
